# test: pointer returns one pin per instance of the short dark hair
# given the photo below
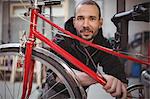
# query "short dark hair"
(88, 2)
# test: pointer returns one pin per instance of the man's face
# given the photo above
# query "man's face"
(87, 21)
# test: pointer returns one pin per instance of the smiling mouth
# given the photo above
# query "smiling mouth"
(86, 33)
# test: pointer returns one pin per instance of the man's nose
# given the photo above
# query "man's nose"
(86, 23)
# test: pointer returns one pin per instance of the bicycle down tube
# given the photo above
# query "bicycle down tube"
(27, 83)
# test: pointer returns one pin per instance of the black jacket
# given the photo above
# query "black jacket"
(111, 64)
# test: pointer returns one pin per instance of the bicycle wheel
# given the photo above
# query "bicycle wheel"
(136, 91)
(59, 83)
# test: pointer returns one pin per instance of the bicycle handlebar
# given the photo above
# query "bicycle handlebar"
(119, 15)
(138, 13)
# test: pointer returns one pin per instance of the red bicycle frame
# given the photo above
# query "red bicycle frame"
(29, 63)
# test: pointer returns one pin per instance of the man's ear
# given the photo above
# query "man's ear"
(101, 22)
(74, 21)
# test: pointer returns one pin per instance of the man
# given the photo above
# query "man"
(87, 23)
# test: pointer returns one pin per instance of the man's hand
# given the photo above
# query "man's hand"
(84, 78)
(115, 87)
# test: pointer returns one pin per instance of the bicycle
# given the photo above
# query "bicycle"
(30, 54)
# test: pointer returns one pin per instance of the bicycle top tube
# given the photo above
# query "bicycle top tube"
(110, 51)
(107, 50)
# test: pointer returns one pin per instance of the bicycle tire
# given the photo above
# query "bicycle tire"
(67, 81)
(135, 91)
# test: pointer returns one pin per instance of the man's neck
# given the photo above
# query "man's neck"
(85, 45)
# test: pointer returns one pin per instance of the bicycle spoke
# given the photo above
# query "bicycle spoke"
(58, 93)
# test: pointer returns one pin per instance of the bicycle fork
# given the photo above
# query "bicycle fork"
(28, 71)
(29, 63)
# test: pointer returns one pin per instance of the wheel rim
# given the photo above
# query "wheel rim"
(9, 93)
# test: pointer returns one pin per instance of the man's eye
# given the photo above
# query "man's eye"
(92, 19)
(80, 18)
